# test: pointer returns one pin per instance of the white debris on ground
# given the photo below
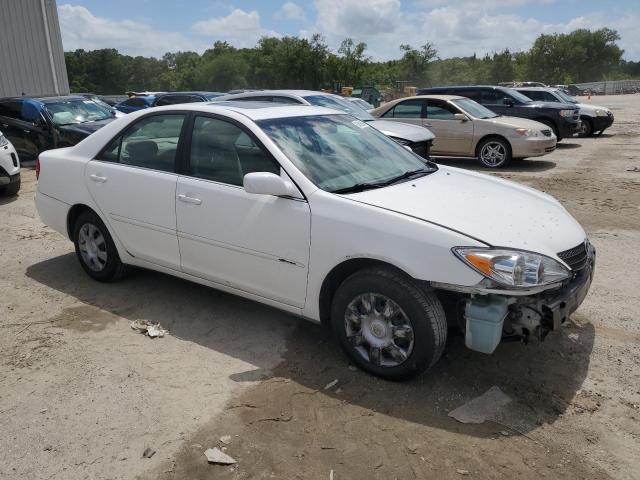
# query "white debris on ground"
(215, 455)
(482, 408)
(226, 439)
(331, 384)
(152, 330)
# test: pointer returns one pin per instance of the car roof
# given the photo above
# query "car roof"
(55, 98)
(536, 89)
(256, 110)
(290, 93)
(191, 93)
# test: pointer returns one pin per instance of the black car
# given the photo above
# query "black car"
(562, 118)
(173, 98)
(37, 124)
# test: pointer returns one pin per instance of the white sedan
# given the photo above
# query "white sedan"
(314, 212)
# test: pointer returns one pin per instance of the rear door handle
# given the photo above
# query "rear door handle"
(186, 199)
(98, 178)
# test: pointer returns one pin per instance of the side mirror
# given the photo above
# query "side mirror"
(461, 116)
(266, 183)
(508, 101)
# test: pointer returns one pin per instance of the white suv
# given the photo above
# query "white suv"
(9, 168)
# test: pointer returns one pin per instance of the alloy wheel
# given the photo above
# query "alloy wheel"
(93, 247)
(379, 330)
(493, 154)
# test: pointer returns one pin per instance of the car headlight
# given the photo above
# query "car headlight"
(528, 132)
(513, 268)
(402, 141)
(566, 113)
(3, 140)
(601, 113)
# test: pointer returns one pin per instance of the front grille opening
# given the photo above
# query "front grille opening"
(575, 257)
(546, 132)
(14, 159)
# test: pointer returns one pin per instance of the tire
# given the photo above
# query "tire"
(494, 152)
(586, 129)
(400, 345)
(100, 259)
(552, 126)
(11, 189)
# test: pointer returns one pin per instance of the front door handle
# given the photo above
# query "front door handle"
(98, 178)
(186, 199)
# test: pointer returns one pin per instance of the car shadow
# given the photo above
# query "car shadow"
(542, 378)
(5, 200)
(567, 146)
(524, 165)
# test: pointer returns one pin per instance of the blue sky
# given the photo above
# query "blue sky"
(462, 27)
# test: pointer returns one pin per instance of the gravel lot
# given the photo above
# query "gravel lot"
(82, 395)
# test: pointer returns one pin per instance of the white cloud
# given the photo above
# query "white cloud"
(81, 29)
(290, 11)
(239, 28)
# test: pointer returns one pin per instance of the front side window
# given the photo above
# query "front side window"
(223, 152)
(439, 110)
(339, 152)
(70, 112)
(149, 143)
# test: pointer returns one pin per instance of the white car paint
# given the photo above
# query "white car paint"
(279, 250)
(9, 161)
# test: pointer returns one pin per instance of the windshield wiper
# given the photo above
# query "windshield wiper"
(359, 187)
(411, 173)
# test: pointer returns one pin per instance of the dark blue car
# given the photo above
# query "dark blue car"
(133, 104)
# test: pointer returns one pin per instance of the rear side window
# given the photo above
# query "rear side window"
(149, 143)
(407, 109)
(223, 152)
(492, 97)
(11, 109)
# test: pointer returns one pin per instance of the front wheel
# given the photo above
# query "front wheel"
(388, 325)
(586, 128)
(494, 152)
(96, 250)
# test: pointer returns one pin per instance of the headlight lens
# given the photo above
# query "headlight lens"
(527, 132)
(513, 268)
(566, 113)
(3, 140)
(601, 113)
(402, 141)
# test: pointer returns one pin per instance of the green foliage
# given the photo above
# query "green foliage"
(293, 62)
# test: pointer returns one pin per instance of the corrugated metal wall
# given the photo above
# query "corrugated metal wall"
(31, 54)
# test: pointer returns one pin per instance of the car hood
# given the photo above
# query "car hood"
(590, 109)
(413, 133)
(516, 122)
(87, 128)
(486, 208)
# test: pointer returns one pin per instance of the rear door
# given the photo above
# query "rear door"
(453, 136)
(133, 182)
(255, 243)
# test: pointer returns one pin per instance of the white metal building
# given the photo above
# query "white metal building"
(31, 54)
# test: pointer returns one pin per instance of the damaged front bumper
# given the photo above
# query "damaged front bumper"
(491, 316)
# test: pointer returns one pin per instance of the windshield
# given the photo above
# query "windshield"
(338, 103)
(338, 152)
(474, 109)
(76, 111)
(565, 97)
(519, 96)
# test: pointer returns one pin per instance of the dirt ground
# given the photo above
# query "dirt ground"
(82, 395)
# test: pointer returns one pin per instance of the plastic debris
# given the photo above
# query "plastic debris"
(226, 439)
(463, 472)
(152, 330)
(148, 453)
(481, 408)
(215, 455)
(331, 384)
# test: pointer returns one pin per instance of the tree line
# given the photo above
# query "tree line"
(293, 62)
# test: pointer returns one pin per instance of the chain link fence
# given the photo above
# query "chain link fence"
(616, 87)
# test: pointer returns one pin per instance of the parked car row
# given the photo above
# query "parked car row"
(315, 212)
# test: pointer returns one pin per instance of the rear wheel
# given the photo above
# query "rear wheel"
(96, 250)
(586, 128)
(494, 152)
(387, 325)
(11, 189)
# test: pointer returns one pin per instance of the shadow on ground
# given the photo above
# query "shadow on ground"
(543, 377)
(525, 165)
(567, 146)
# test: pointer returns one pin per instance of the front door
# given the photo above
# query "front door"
(453, 136)
(255, 243)
(133, 182)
